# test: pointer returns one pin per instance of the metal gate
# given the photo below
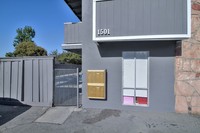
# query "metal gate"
(66, 90)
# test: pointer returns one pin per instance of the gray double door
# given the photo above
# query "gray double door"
(66, 87)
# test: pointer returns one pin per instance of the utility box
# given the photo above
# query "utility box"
(96, 84)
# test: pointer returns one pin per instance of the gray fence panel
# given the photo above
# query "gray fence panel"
(14, 80)
(1, 78)
(20, 76)
(27, 79)
(45, 81)
(50, 81)
(35, 81)
(41, 80)
(38, 80)
(10, 79)
(7, 80)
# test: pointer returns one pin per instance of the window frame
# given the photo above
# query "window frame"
(129, 88)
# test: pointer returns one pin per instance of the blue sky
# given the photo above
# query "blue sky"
(47, 17)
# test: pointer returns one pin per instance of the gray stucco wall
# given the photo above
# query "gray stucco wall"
(109, 56)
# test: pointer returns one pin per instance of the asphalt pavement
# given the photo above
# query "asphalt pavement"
(104, 121)
(7, 113)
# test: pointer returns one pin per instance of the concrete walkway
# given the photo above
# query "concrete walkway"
(56, 115)
(105, 121)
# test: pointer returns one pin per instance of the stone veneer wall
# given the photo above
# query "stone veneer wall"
(187, 84)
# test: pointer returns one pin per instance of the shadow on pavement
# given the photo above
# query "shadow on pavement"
(11, 108)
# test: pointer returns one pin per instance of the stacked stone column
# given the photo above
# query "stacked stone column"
(187, 68)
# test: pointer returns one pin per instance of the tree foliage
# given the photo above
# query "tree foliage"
(29, 49)
(54, 53)
(25, 34)
(67, 57)
(24, 45)
(10, 54)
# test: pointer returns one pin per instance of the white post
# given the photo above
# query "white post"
(77, 88)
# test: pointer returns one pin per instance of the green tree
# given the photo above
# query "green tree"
(39, 51)
(24, 45)
(25, 34)
(10, 54)
(66, 57)
(69, 57)
(54, 52)
(29, 49)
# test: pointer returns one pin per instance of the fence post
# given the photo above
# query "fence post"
(22, 81)
(77, 88)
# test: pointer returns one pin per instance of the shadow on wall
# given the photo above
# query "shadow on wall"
(115, 49)
(11, 108)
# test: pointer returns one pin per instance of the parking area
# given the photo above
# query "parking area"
(7, 113)
(103, 121)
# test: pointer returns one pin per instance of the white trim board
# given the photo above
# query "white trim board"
(143, 37)
(71, 44)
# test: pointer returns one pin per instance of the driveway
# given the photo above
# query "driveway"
(7, 113)
(104, 121)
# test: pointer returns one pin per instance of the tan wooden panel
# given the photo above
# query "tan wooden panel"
(96, 84)
(96, 92)
(95, 76)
